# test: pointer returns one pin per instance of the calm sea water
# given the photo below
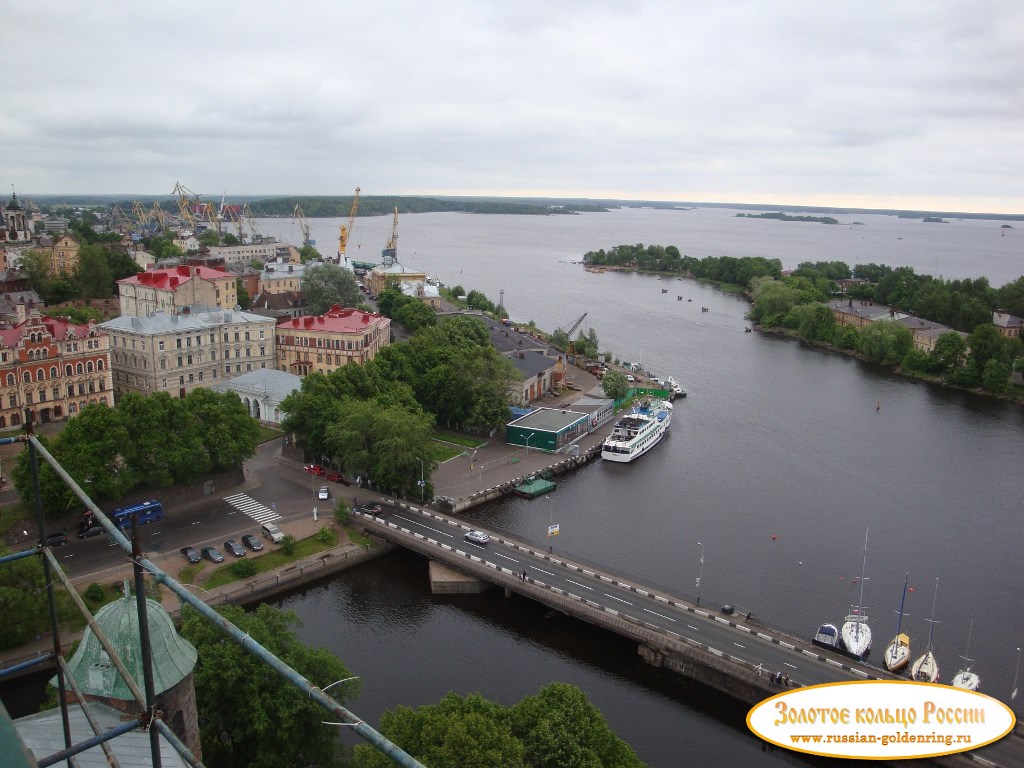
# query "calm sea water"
(777, 462)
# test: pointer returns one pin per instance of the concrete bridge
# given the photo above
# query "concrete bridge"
(730, 653)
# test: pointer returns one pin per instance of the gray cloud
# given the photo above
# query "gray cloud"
(822, 103)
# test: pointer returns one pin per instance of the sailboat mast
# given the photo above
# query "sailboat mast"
(863, 568)
(899, 619)
(967, 650)
(931, 621)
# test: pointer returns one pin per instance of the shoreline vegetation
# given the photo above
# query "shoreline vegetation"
(971, 354)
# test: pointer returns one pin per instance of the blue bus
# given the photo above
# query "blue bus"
(147, 512)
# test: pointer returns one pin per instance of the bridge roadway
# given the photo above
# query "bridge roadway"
(725, 652)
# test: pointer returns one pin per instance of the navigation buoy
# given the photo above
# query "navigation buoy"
(773, 537)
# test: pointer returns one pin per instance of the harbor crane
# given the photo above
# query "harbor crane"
(143, 218)
(347, 230)
(186, 200)
(299, 217)
(571, 351)
(390, 252)
(251, 221)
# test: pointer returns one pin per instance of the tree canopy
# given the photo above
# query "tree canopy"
(251, 717)
(147, 440)
(556, 728)
(325, 285)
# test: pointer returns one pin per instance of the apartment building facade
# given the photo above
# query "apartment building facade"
(326, 342)
(50, 369)
(176, 353)
(172, 290)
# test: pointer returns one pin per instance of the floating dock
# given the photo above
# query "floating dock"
(533, 488)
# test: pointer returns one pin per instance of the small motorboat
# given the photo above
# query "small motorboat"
(664, 290)
(827, 636)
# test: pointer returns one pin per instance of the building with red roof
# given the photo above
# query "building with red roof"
(323, 343)
(51, 369)
(171, 290)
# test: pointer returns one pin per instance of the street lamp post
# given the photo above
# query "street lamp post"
(422, 483)
(528, 442)
(700, 573)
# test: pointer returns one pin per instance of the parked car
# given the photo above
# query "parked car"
(56, 540)
(252, 542)
(477, 537)
(93, 530)
(373, 509)
(272, 532)
(190, 554)
(323, 493)
(234, 548)
(333, 477)
(213, 555)
(314, 469)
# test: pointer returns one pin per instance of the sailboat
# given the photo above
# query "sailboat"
(897, 655)
(965, 678)
(856, 633)
(926, 668)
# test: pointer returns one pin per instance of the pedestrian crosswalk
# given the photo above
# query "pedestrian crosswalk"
(258, 512)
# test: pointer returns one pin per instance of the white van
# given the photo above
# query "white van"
(272, 532)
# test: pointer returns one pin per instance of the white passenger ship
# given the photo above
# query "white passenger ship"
(638, 431)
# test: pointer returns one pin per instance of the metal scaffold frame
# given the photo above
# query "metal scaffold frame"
(149, 717)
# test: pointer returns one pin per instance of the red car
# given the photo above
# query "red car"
(334, 477)
(314, 469)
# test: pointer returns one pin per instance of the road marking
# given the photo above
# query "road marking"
(580, 585)
(546, 573)
(789, 665)
(498, 554)
(693, 627)
(254, 509)
(613, 597)
(739, 646)
(659, 615)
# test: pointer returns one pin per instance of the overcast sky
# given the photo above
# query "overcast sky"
(901, 104)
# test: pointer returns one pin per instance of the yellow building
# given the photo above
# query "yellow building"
(171, 290)
(64, 255)
(323, 343)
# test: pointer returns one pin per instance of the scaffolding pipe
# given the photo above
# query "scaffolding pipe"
(26, 664)
(52, 603)
(147, 648)
(180, 747)
(81, 746)
(19, 555)
(365, 731)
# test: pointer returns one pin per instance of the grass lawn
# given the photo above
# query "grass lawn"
(465, 440)
(267, 433)
(268, 561)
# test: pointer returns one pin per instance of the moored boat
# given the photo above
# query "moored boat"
(638, 431)
(897, 654)
(856, 633)
(676, 387)
(926, 668)
(965, 678)
(827, 636)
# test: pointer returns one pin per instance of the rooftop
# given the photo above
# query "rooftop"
(161, 322)
(335, 320)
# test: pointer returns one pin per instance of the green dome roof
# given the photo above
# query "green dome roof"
(174, 657)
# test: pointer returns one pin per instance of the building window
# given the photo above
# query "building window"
(88, 366)
(10, 380)
(53, 372)
(180, 360)
(79, 369)
(67, 370)
(181, 381)
(177, 343)
(26, 377)
(160, 345)
(28, 398)
(12, 401)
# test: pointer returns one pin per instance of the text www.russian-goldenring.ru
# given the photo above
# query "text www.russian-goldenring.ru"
(885, 740)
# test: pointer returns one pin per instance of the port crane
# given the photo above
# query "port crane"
(186, 200)
(251, 221)
(299, 217)
(143, 218)
(571, 351)
(391, 250)
(347, 230)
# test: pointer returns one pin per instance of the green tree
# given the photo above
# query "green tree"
(615, 385)
(163, 444)
(309, 253)
(36, 266)
(985, 344)
(209, 238)
(251, 717)
(325, 285)
(886, 341)
(122, 265)
(414, 314)
(226, 430)
(996, 376)
(22, 601)
(92, 273)
(242, 294)
(950, 350)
